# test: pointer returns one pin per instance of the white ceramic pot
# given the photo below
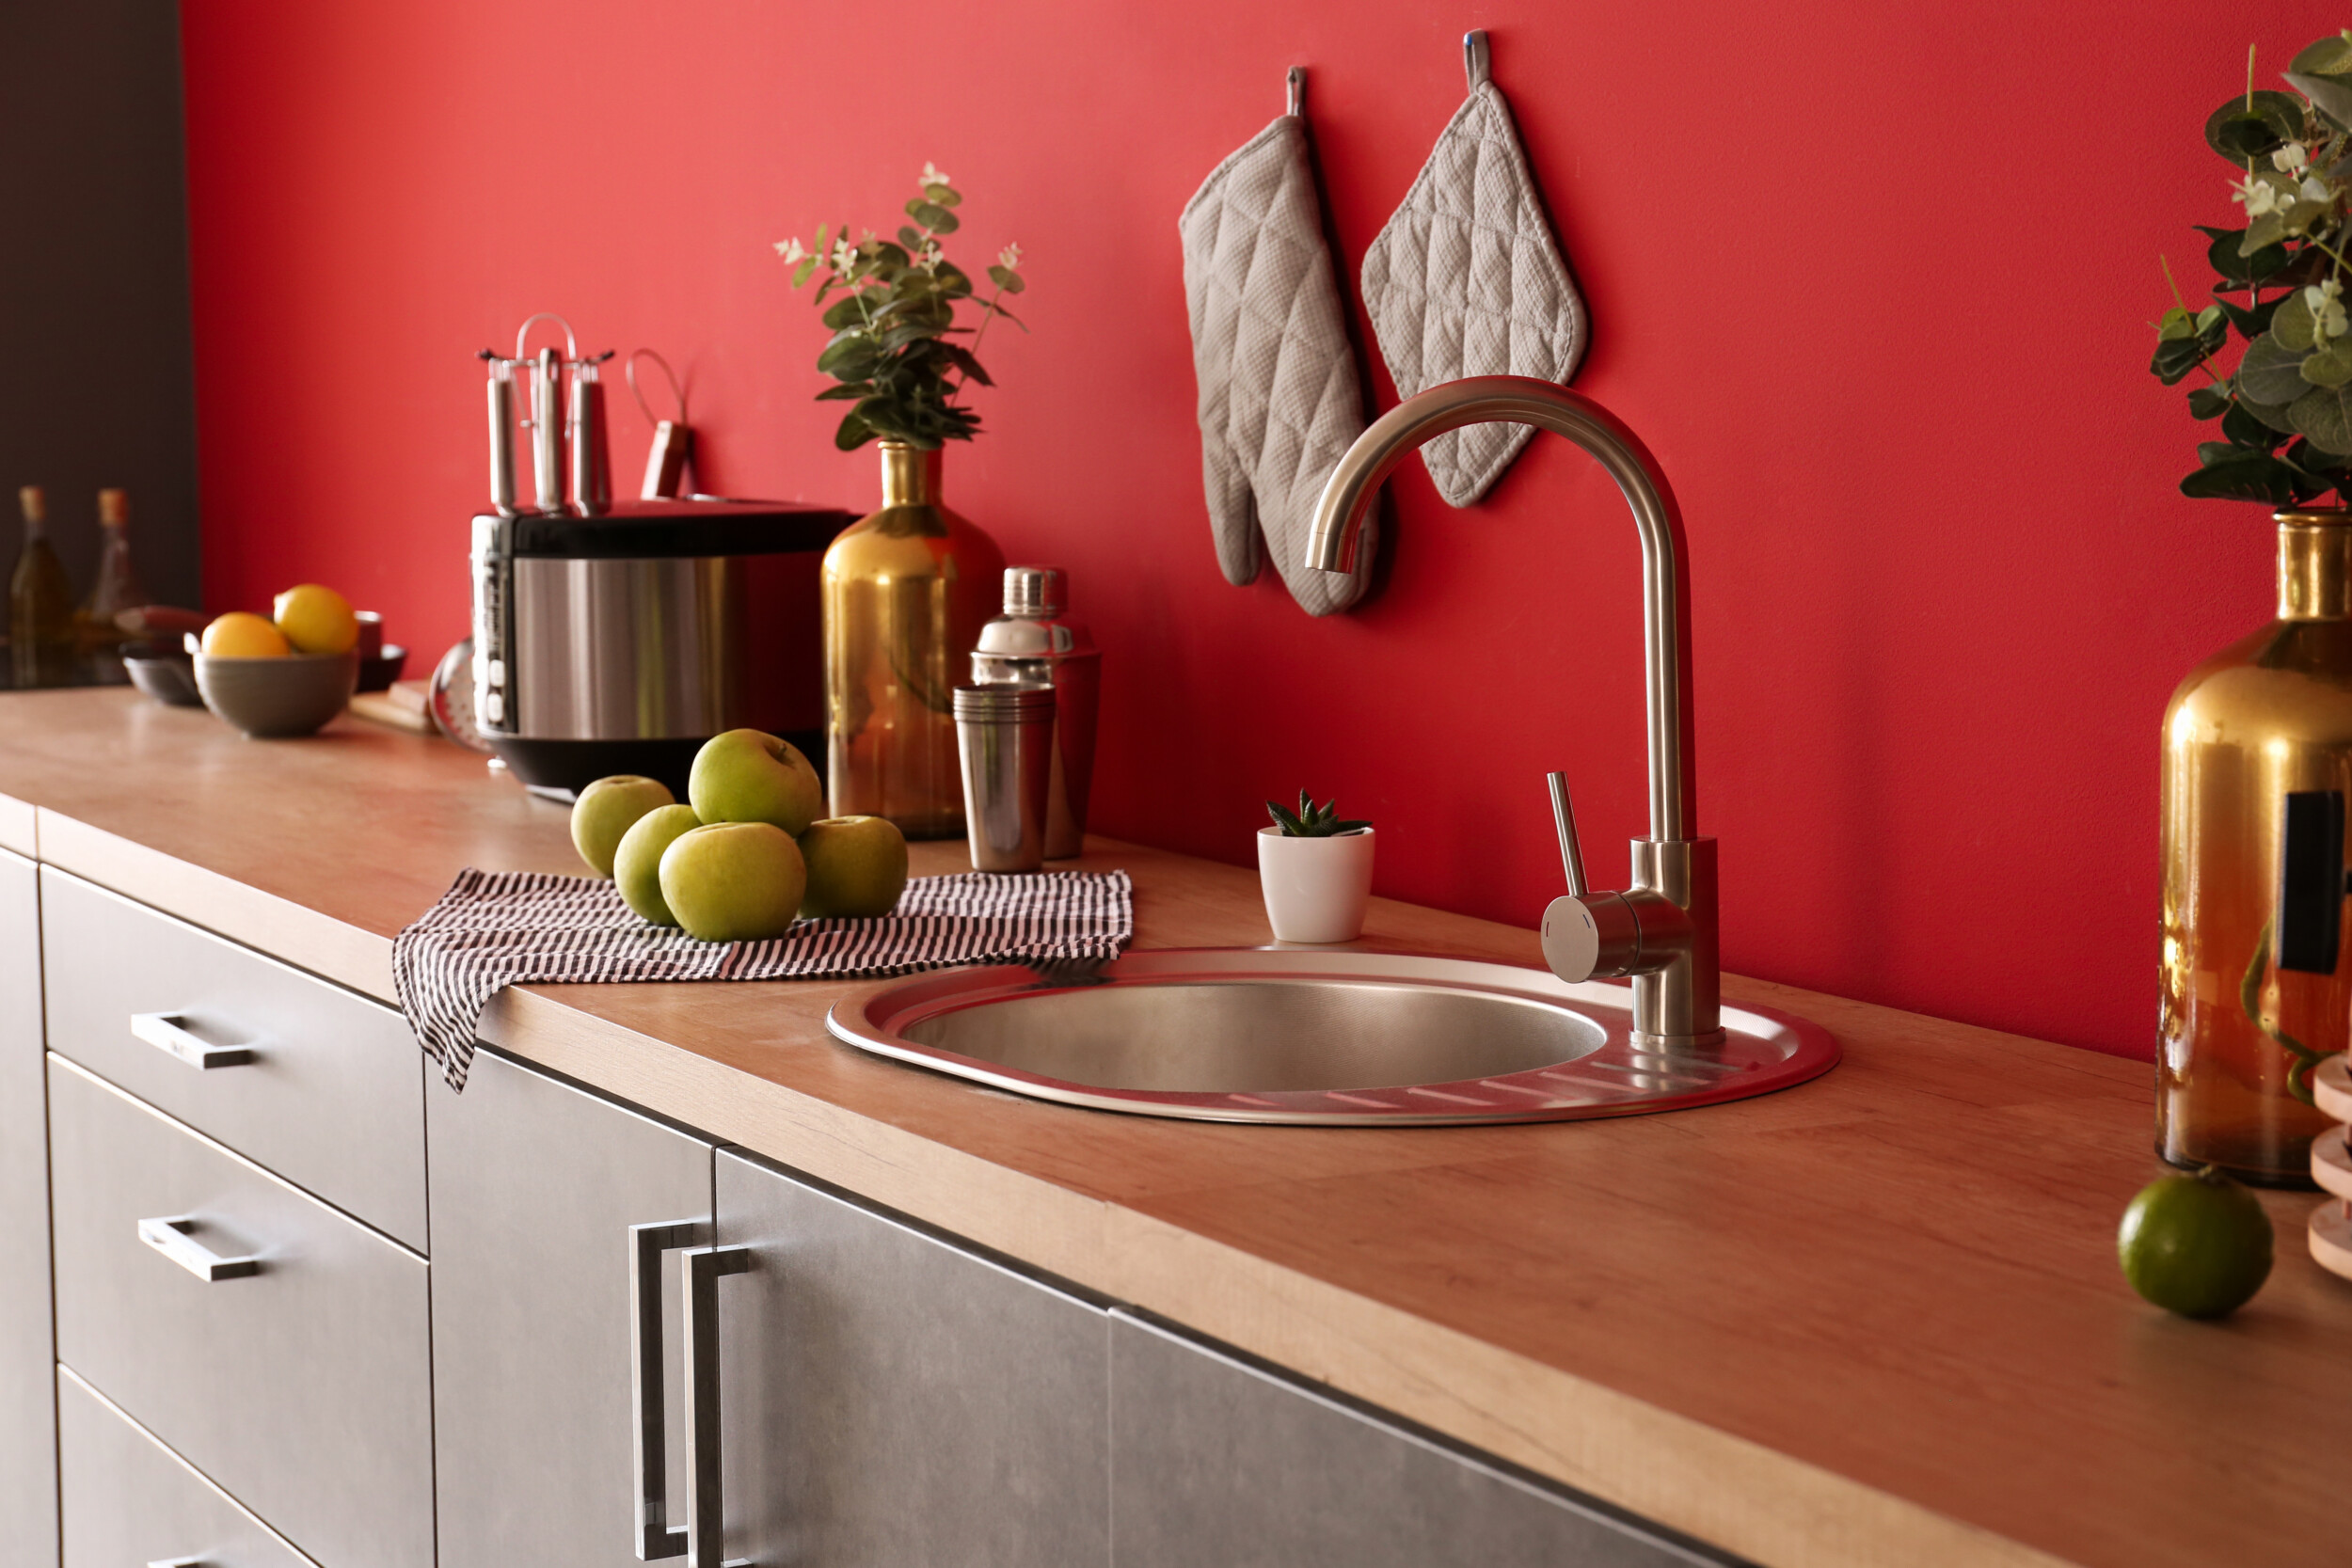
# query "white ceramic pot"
(1316, 889)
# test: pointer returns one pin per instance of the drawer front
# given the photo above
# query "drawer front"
(28, 1425)
(330, 1093)
(1217, 1461)
(130, 1500)
(303, 1387)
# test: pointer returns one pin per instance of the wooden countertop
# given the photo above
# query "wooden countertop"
(1872, 1320)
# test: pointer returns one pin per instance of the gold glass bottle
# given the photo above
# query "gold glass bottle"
(41, 604)
(2268, 716)
(906, 592)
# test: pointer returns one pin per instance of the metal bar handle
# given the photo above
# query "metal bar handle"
(178, 1563)
(168, 1033)
(657, 1538)
(170, 1236)
(700, 1269)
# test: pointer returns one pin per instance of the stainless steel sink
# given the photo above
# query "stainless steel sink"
(1318, 1037)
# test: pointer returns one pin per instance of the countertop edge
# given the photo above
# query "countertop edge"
(1754, 1500)
(19, 827)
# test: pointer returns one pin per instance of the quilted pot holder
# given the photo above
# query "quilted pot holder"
(1466, 280)
(1280, 396)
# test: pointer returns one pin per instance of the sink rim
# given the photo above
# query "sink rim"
(1764, 1049)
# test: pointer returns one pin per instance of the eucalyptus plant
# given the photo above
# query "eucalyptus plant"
(892, 318)
(2285, 410)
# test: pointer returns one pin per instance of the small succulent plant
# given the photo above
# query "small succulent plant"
(1313, 821)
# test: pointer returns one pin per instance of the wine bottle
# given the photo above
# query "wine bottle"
(117, 588)
(41, 604)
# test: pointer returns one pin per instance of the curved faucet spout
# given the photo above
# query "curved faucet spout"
(1665, 623)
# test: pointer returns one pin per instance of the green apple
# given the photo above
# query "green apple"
(607, 809)
(857, 867)
(734, 882)
(637, 863)
(751, 776)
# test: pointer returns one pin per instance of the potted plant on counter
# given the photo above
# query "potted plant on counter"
(907, 589)
(1315, 869)
(2256, 976)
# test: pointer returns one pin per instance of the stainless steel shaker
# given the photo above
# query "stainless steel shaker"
(1033, 642)
(1005, 733)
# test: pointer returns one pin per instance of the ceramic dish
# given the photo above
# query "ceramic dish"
(272, 699)
(164, 674)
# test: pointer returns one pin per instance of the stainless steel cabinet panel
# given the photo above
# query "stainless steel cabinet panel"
(130, 1500)
(332, 1097)
(1220, 1464)
(889, 1399)
(28, 1464)
(304, 1389)
(536, 1185)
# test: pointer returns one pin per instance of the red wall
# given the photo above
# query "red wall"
(1872, 281)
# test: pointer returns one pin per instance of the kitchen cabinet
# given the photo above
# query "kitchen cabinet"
(535, 1188)
(129, 1499)
(888, 1398)
(28, 1468)
(1218, 1461)
(279, 1346)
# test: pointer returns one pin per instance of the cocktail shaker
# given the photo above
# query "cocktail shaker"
(1034, 643)
(1006, 734)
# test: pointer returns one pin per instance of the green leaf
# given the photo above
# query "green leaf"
(2292, 326)
(2274, 415)
(2324, 415)
(823, 230)
(852, 432)
(2254, 477)
(906, 332)
(2332, 99)
(2271, 372)
(844, 392)
(1289, 825)
(910, 237)
(2329, 57)
(2273, 114)
(851, 357)
(802, 274)
(2242, 427)
(946, 195)
(2226, 258)
(2250, 321)
(2174, 358)
(2204, 403)
(2267, 230)
(2331, 366)
(1009, 280)
(2211, 453)
(847, 314)
(931, 215)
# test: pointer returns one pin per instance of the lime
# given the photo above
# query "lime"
(2198, 1245)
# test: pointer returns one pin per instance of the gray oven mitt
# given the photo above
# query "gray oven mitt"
(1280, 398)
(1464, 280)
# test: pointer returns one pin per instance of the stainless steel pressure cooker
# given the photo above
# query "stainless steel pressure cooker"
(618, 643)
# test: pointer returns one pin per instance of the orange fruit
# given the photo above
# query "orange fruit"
(239, 635)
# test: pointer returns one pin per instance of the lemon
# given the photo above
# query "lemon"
(317, 619)
(239, 635)
(2198, 1245)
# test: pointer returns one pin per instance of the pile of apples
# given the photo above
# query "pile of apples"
(746, 855)
(307, 619)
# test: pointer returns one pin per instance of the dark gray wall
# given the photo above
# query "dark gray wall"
(96, 386)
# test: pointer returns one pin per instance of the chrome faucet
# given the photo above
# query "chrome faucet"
(1662, 931)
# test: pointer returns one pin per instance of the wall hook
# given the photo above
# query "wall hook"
(1298, 90)
(1474, 58)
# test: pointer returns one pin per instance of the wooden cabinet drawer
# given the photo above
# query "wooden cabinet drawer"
(129, 1499)
(304, 1387)
(330, 1094)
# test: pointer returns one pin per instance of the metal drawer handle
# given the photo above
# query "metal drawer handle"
(178, 1563)
(168, 1033)
(170, 1237)
(706, 1503)
(657, 1538)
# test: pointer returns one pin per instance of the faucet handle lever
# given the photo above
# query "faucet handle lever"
(1563, 820)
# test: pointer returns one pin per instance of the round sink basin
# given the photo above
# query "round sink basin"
(1295, 1035)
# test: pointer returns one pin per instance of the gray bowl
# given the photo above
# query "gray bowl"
(167, 676)
(272, 699)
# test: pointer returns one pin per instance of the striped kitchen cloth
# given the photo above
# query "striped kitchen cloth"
(498, 928)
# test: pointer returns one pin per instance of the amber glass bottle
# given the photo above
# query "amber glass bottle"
(906, 592)
(2268, 716)
(41, 604)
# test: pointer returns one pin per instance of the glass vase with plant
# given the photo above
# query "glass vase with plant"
(907, 589)
(2256, 980)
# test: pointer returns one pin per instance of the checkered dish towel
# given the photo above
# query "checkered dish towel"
(494, 929)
